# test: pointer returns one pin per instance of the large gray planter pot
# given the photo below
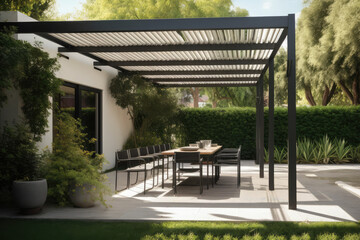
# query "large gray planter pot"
(82, 197)
(30, 196)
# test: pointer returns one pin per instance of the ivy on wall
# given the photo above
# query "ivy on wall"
(32, 71)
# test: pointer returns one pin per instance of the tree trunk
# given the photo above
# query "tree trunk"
(347, 91)
(355, 91)
(328, 94)
(214, 104)
(309, 96)
(196, 97)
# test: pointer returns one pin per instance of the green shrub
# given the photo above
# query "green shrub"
(231, 127)
(342, 151)
(19, 157)
(71, 166)
(280, 155)
(305, 150)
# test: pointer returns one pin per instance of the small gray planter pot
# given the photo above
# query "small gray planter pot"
(30, 196)
(82, 197)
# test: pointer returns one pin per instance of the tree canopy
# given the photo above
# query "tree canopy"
(33, 8)
(328, 50)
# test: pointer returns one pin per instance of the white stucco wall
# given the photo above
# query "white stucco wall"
(78, 69)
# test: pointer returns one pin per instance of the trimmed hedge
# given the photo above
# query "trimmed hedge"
(231, 127)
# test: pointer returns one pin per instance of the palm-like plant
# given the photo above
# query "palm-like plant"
(266, 155)
(280, 155)
(326, 147)
(305, 150)
(341, 152)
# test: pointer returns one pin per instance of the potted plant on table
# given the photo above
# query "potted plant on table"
(74, 174)
(22, 168)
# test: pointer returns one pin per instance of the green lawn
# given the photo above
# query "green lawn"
(63, 229)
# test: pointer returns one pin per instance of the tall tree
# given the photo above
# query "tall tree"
(151, 9)
(310, 29)
(338, 53)
(34, 8)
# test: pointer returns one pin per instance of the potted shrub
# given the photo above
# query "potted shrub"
(21, 169)
(74, 174)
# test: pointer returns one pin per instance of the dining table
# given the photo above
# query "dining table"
(208, 153)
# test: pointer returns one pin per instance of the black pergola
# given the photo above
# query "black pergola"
(197, 52)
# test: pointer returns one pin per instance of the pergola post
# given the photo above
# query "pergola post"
(271, 124)
(292, 112)
(260, 127)
(257, 127)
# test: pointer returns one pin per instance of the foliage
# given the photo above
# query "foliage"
(354, 154)
(152, 9)
(280, 155)
(328, 50)
(70, 165)
(151, 109)
(234, 126)
(19, 157)
(66, 229)
(342, 151)
(305, 150)
(34, 8)
(326, 148)
(32, 71)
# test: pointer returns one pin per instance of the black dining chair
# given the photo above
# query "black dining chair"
(134, 164)
(187, 157)
(226, 159)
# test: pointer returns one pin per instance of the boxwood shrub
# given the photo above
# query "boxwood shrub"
(231, 127)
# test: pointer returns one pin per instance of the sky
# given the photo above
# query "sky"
(255, 7)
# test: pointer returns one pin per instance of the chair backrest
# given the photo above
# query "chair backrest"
(157, 148)
(163, 147)
(134, 152)
(150, 149)
(143, 151)
(122, 155)
(168, 146)
(187, 157)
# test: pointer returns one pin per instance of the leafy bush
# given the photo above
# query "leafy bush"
(280, 155)
(233, 126)
(342, 151)
(71, 166)
(326, 148)
(305, 150)
(19, 157)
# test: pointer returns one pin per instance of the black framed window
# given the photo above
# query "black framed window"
(84, 103)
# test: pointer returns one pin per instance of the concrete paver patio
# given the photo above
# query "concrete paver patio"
(325, 193)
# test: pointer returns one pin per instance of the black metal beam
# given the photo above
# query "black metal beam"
(182, 62)
(172, 48)
(292, 113)
(149, 25)
(271, 125)
(261, 126)
(179, 80)
(206, 85)
(202, 72)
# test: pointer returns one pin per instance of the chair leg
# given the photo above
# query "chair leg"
(238, 176)
(137, 177)
(116, 171)
(128, 180)
(174, 177)
(207, 174)
(201, 181)
(163, 172)
(212, 172)
(167, 168)
(145, 176)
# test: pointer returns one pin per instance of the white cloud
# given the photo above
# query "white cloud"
(266, 5)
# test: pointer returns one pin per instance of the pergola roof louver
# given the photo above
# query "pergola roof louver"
(206, 52)
(222, 49)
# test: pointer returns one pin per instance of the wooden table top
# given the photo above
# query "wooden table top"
(202, 151)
